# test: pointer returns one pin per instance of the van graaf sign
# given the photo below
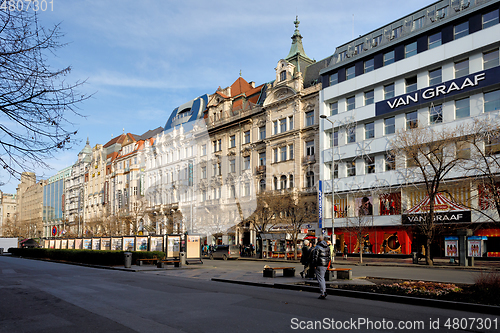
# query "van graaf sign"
(320, 204)
(439, 92)
(444, 217)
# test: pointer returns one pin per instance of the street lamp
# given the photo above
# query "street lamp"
(325, 117)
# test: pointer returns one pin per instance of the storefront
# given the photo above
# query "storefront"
(375, 240)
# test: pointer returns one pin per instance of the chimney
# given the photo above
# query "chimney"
(252, 83)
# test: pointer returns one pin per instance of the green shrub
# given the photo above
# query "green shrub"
(93, 257)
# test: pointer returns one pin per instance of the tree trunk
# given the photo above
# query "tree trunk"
(428, 259)
(360, 252)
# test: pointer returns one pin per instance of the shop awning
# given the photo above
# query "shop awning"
(441, 204)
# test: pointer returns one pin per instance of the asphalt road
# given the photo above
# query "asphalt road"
(39, 296)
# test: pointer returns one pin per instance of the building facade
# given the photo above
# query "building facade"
(436, 67)
(29, 205)
(55, 222)
(8, 210)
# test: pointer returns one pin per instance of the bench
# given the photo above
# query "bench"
(271, 271)
(153, 261)
(161, 263)
(338, 273)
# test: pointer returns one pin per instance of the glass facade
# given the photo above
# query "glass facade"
(53, 204)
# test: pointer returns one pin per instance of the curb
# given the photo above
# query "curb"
(428, 302)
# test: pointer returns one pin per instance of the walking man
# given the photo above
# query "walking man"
(304, 260)
(320, 260)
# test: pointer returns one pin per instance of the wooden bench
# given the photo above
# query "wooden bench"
(338, 273)
(271, 271)
(153, 261)
(161, 263)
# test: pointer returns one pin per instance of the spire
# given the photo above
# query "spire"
(297, 47)
(88, 143)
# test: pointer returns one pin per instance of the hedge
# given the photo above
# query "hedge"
(94, 257)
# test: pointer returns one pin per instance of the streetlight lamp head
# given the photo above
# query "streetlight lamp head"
(323, 116)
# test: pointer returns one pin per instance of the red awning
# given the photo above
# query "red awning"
(441, 204)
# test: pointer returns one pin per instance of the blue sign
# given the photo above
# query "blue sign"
(440, 92)
(320, 204)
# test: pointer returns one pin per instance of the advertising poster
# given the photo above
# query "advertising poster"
(128, 243)
(87, 244)
(451, 247)
(364, 206)
(46, 243)
(141, 243)
(96, 243)
(71, 243)
(116, 244)
(58, 244)
(193, 247)
(173, 243)
(78, 243)
(474, 248)
(64, 244)
(51, 244)
(105, 244)
(156, 244)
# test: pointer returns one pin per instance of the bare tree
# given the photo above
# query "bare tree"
(12, 228)
(263, 218)
(35, 99)
(430, 153)
(359, 225)
(296, 211)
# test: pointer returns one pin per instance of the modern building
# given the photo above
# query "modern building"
(435, 67)
(55, 222)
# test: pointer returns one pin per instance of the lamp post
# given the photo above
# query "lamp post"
(325, 117)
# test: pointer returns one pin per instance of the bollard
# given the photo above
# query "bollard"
(128, 259)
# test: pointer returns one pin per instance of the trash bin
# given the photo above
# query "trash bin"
(128, 259)
(415, 257)
(182, 258)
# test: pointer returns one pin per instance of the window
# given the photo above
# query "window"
(369, 165)
(246, 137)
(310, 118)
(310, 179)
(283, 182)
(334, 108)
(275, 155)
(369, 65)
(290, 123)
(441, 13)
(351, 168)
(232, 193)
(310, 148)
(246, 163)
(376, 40)
(462, 68)
(463, 150)
(275, 127)
(436, 114)
(492, 101)
(369, 97)
(214, 145)
(351, 134)
(396, 32)
(411, 84)
(232, 141)
(389, 125)
(490, 19)
(369, 131)
(350, 103)
(359, 48)
(462, 108)
(283, 153)
(275, 180)
(262, 133)
(232, 166)
(204, 172)
(389, 91)
(435, 76)
(490, 59)
(336, 171)
(418, 23)
(390, 162)
(411, 120)
(410, 162)
(290, 181)
(388, 58)
(282, 125)
(334, 79)
(262, 185)
(283, 76)
(247, 189)
(434, 40)
(492, 146)
(461, 30)
(410, 49)
(290, 152)
(350, 73)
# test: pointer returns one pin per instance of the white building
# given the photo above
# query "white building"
(438, 66)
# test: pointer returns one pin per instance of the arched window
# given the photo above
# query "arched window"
(283, 182)
(275, 183)
(262, 185)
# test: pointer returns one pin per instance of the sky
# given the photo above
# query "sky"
(142, 58)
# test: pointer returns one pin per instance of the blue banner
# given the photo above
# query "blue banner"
(320, 204)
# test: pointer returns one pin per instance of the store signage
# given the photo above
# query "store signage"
(444, 217)
(439, 92)
(320, 204)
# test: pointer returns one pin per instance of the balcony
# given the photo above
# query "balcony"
(260, 169)
(309, 159)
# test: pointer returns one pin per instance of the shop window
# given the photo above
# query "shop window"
(390, 204)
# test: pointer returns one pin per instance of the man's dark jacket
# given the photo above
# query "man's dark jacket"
(321, 254)
(306, 252)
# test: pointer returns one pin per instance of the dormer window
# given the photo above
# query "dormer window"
(283, 76)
